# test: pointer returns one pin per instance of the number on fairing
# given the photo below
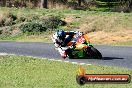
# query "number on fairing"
(81, 40)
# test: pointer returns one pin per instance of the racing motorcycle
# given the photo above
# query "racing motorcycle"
(81, 48)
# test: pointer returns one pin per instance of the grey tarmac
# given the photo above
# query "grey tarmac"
(117, 56)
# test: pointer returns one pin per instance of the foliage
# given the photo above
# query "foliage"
(43, 25)
(7, 19)
(52, 22)
(32, 27)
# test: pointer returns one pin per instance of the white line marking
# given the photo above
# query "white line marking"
(4, 54)
(82, 63)
(74, 62)
(66, 61)
(57, 60)
(51, 59)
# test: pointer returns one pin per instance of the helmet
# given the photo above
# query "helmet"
(61, 34)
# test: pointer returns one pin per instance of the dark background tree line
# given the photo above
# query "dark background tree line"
(119, 5)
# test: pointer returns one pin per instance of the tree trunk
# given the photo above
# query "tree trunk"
(79, 2)
(44, 3)
(130, 4)
(4, 2)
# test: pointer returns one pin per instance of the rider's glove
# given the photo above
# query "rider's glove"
(80, 33)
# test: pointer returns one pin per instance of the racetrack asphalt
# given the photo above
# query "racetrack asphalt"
(117, 56)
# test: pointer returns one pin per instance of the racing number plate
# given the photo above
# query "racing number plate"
(81, 40)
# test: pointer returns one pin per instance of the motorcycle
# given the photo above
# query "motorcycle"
(81, 48)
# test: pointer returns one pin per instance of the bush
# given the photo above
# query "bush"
(8, 22)
(5, 30)
(7, 19)
(12, 16)
(32, 17)
(33, 27)
(21, 18)
(2, 22)
(26, 18)
(52, 22)
(43, 25)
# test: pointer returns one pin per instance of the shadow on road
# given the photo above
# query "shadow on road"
(111, 58)
(103, 58)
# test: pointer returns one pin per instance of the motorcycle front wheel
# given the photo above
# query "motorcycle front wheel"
(94, 53)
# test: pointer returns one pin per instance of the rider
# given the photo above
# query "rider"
(61, 39)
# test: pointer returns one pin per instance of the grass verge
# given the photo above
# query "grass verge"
(42, 37)
(125, 43)
(26, 72)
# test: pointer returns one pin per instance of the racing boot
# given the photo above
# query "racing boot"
(63, 54)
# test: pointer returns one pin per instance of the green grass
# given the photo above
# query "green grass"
(124, 43)
(44, 37)
(27, 72)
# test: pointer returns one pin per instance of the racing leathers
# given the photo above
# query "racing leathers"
(61, 44)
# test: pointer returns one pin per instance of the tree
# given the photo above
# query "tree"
(126, 5)
(4, 2)
(44, 3)
(130, 4)
(79, 2)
